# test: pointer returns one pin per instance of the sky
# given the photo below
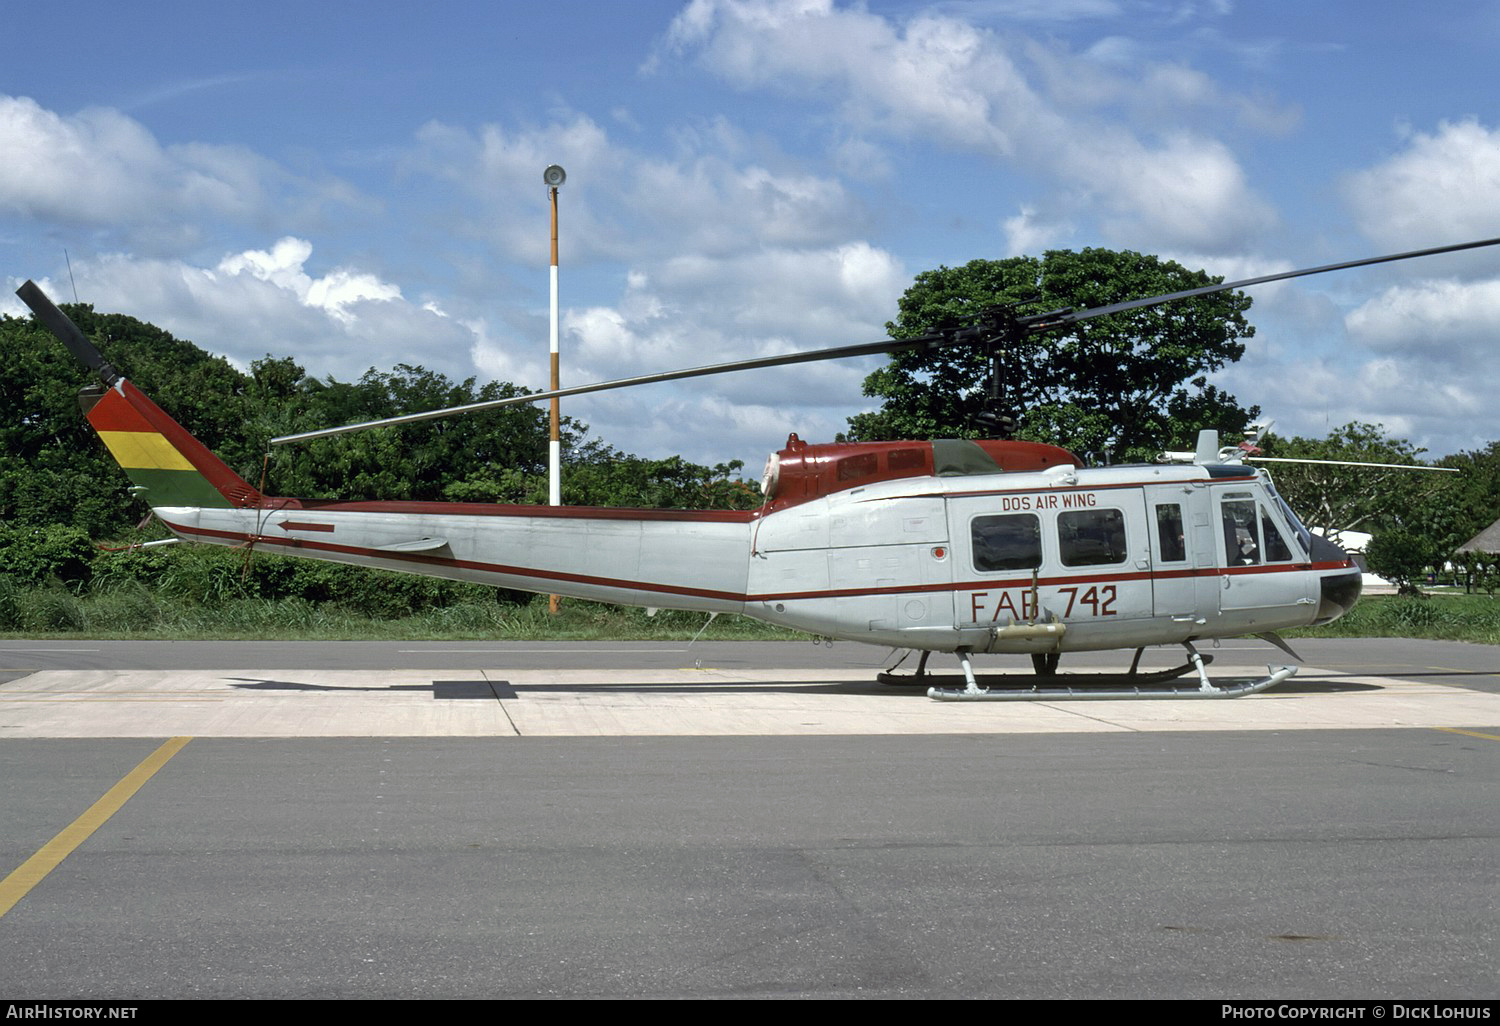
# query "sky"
(360, 184)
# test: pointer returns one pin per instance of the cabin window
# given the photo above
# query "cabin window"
(1301, 533)
(1241, 545)
(1091, 537)
(852, 468)
(1009, 542)
(1171, 538)
(907, 459)
(1276, 547)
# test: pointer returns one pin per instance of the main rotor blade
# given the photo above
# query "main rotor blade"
(1032, 324)
(810, 356)
(1045, 321)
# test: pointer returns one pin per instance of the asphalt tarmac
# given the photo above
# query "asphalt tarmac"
(743, 820)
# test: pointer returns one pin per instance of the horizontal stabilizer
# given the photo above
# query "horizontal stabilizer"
(419, 545)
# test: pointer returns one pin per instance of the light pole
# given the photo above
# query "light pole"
(554, 176)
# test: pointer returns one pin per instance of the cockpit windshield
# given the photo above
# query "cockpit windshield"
(1304, 536)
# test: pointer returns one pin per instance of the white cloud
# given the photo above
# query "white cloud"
(1188, 193)
(263, 301)
(1443, 187)
(1031, 232)
(934, 75)
(943, 79)
(102, 170)
(1441, 413)
(731, 250)
(1417, 359)
(704, 200)
(334, 293)
(1441, 321)
(1032, 10)
(694, 311)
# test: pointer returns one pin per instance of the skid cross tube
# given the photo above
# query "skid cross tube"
(1057, 691)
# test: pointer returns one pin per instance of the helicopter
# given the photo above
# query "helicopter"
(989, 546)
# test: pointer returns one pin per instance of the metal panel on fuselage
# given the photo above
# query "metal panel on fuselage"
(1184, 557)
(1081, 551)
(1266, 581)
(672, 562)
(869, 564)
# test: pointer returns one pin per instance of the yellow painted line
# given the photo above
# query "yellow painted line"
(35, 869)
(144, 450)
(1470, 733)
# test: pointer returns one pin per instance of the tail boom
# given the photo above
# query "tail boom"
(632, 557)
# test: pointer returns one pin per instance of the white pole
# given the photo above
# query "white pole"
(554, 176)
(554, 444)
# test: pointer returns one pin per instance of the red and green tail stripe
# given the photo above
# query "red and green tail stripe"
(170, 466)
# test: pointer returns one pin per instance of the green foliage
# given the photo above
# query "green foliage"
(49, 609)
(55, 470)
(134, 609)
(1477, 571)
(213, 577)
(611, 478)
(33, 555)
(1415, 517)
(1131, 384)
(1402, 557)
(59, 486)
(418, 461)
(1463, 504)
(1351, 498)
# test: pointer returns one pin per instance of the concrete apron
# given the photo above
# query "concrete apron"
(689, 701)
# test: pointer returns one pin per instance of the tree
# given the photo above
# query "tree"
(1467, 502)
(1401, 557)
(1445, 509)
(1336, 498)
(55, 471)
(1129, 384)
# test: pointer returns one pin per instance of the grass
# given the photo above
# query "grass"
(133, 610)
(137, 613)
(1448, 616)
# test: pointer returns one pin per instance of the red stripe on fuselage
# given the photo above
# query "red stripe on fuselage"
(492, 509)
(422, 559)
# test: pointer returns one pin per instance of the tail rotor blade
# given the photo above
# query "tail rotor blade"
(66, 331)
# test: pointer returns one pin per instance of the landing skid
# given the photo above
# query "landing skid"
(1045, 667)
(1045, 686)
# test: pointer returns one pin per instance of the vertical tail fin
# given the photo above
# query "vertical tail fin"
(166, 464)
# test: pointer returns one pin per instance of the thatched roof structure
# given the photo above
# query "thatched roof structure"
(1487, 541)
